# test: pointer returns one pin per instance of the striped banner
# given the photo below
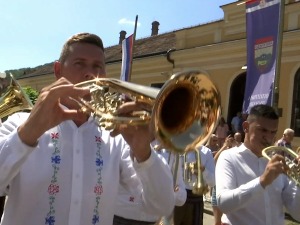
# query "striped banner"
(127, 45)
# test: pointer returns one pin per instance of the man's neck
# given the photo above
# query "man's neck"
(80, 122)
(256, 152)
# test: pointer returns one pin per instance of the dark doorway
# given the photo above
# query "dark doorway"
(236, 96)
(2, 202)
(157, 85)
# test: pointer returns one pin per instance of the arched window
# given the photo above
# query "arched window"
(295, 122)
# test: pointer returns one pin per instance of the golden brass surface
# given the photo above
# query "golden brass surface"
(14, 99)
(193, 169)
(183, 113)
(290, 160)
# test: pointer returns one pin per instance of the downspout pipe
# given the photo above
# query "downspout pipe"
(168, 55)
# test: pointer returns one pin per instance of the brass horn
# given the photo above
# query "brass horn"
(14, 99)
(199, 186)
(290, 159)
(184, 112)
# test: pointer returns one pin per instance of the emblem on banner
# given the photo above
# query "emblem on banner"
(263, 53)
(262, 3)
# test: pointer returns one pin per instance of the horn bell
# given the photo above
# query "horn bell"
(14, 99)
(186, 111)
(183, 113)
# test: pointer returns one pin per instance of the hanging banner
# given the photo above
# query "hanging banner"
(127, 45)
(262, 27)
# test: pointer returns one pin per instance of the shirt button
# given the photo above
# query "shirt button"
(77, 151)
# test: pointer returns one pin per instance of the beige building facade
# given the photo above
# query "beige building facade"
(219, 50)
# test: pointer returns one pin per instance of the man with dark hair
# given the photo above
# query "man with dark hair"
(251, 189)
(61, 167)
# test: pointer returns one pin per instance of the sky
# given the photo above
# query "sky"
(33, 31)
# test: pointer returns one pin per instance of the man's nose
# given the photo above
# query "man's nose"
(89, 76)
(92, 73)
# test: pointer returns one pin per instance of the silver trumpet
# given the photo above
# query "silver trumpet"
(290, 158)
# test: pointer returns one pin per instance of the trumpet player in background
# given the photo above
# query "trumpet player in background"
(61, 167)
(228, 144)
(129, 208)
(191, 213)
(250, 189)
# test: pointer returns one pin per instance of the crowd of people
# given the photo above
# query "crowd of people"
(65, 169)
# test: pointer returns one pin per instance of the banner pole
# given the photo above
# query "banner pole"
(275, 98)
(134, 35)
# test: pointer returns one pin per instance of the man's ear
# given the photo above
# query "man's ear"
(57, 69)
(245, 126)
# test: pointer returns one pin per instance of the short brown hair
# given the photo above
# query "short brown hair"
(80, 38)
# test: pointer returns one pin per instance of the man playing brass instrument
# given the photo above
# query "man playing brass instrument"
(129, 209)
(191, 213)
(251, 189)
(61, 167)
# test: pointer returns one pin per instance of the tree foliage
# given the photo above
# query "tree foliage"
(32, 93)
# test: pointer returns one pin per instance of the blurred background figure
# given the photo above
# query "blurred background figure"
(235, 122)
(212, 144)
(229, 143)
(222, 131)
(242, 120)
(287, 138)
(237, 139)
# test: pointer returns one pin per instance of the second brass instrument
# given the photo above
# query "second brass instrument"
(199, 186)
(290, 159)
(14, 99)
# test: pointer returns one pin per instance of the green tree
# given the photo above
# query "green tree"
(32, 93)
